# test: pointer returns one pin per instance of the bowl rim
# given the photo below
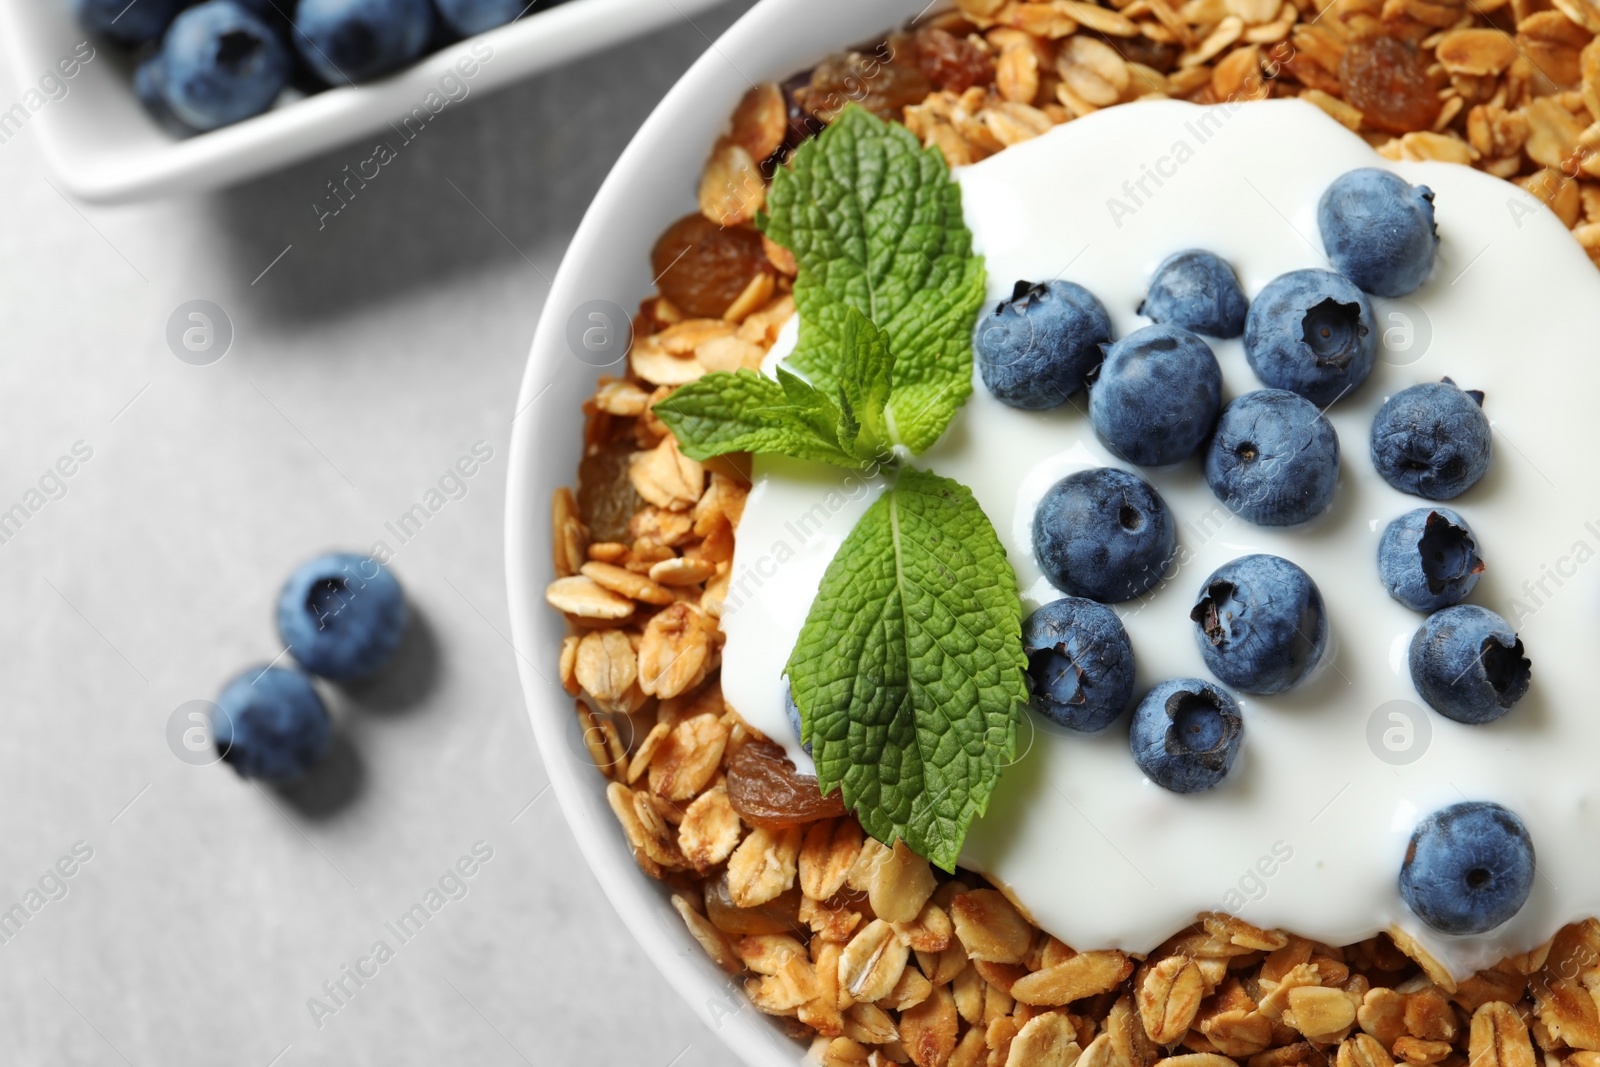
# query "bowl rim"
(773, 40)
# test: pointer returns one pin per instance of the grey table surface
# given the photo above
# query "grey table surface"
(372, 355)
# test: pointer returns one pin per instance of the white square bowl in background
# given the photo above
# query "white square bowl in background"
(104, 148)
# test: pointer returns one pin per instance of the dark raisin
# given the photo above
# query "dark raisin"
(702, 267)
(883, 88)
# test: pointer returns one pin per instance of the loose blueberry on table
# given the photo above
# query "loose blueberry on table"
(1468, 664)
(342, 615)
(1156, 396)
(1428, 559)
(1432, 440)
(1186, 734)
(1469, 868)
(270, 724)
(1260, 624)
(1080, 663)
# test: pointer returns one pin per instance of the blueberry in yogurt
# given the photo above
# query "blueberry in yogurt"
(1080, 663)
(1197, 290)
(1186, 734)
(1432, 440)
(1104, 534)
(1156, 396)
(221, 63)
(342, 615)
(792, 710)
(1038, 348)
(1274, 459)
(1311, 332)
(1260, 623)
(270, 724)
(1469, 868)
(1468, 664)
(1377, 229)
(1428, 559)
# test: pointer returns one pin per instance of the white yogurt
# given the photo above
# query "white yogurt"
(1308, 831)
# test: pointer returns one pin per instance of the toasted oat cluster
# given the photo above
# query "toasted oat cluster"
(865, 950)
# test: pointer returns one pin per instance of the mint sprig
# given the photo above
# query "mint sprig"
(746, 412)
(874, 222)
(909, 670)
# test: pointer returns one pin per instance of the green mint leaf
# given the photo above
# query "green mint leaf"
(745, 412)
(909, 671)
(874, 222)
(866, 376)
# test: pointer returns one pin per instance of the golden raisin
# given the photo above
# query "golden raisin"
(606, 497)
(766, 789)
(952, 62)
(778, 916)
(702, 267)
(1387, 81)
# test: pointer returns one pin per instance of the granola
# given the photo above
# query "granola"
(866, 950)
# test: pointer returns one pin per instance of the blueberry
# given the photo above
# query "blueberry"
(128, 23)
(1274, 459)
(791, 709)
(1038, 348)
(1260, 624)
(1185, 734)
(1469, 868)
(270, 724)
(1468, 664)
(347, 41)
(1428, 559)
(1103, 534)
(1198, 291)
(1432, 440)
(222, 64)
(1377, 229)
(1311, 332)
(468, 17)
(1080, 663)
(1157, 395)
(342, 615)
(150, 86)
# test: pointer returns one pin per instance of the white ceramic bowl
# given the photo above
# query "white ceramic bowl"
(104, 147)
(652, 184)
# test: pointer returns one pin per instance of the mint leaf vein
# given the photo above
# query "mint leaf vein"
(909, 669)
